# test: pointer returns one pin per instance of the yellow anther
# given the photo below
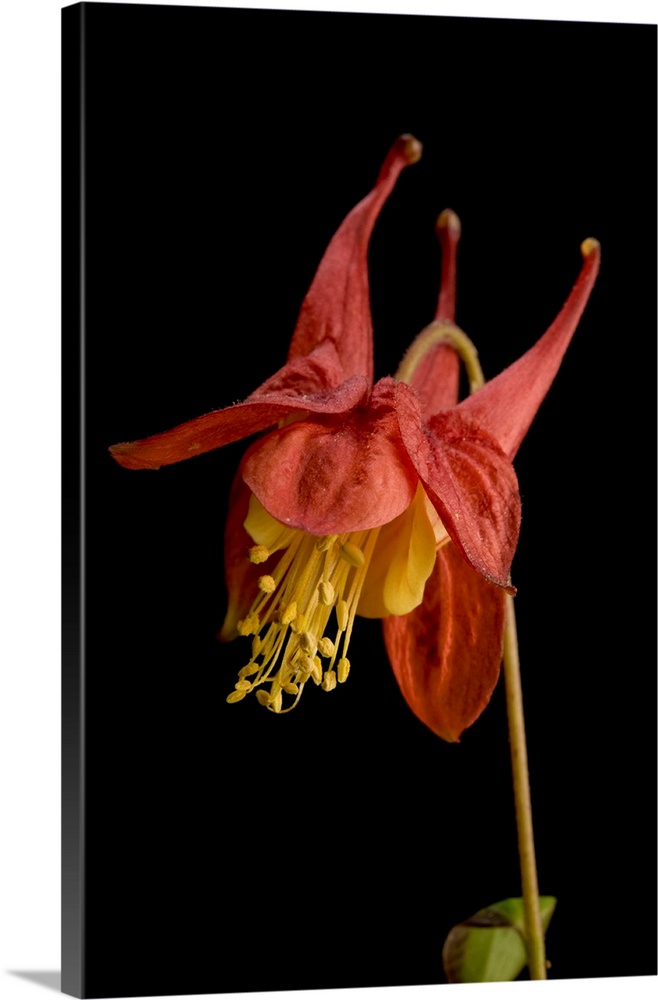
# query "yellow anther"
(298, 625)
(289, 613)
(262, 697)
(352, 554)
(267, 584)
(343, 670)
(326, 646)
(329, 680)
(324, 544)
(243, 685)
(256, 646)
(326, 592)
(258, 554)
(308, 644)
(306, 668)
(290, 688)
(342, 614)
(248, 625)
(236, 696)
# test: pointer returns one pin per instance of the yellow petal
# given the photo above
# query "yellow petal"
(403, 560)
(263, 528)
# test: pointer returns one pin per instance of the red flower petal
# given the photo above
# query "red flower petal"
(241, 574)
(337, 306)
(449, 230)
(446, 653)
(473, 487)
(332, 477)
(310, 384)
(506, 406)
(436, 379)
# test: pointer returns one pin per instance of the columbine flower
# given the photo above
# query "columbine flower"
(388, 500)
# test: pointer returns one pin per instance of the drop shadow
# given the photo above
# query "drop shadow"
(51, 980)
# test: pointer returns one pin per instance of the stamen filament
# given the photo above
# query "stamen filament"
(313, 579)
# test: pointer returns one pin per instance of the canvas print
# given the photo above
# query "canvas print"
(358, 690)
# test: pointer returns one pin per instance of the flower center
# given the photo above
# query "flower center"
(293, 638)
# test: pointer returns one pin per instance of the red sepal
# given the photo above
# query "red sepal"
(506, 406)
(337, 306)
(473, 487)
(311, 384)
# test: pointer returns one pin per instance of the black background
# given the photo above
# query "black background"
(230, 850)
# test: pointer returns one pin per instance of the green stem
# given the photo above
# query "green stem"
(445, 332)
(534, 933)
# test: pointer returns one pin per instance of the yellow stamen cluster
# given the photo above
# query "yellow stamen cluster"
(290, 617)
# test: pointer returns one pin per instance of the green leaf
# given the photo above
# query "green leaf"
(489, 947)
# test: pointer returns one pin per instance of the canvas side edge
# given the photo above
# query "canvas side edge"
(73, 420)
